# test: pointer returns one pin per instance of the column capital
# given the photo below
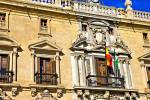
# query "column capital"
(32, 52)
(142, 63)
(15, 51)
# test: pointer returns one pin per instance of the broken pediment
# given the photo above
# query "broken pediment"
(45, 45)
(6, 40)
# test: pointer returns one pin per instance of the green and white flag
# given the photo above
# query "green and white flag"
(116, 64)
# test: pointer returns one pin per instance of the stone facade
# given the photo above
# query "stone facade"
(73, 35)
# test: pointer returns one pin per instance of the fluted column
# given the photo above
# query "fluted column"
(58, 67)
(15, 64)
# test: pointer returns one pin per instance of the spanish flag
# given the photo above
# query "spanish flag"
(108, 58)
(109, 61)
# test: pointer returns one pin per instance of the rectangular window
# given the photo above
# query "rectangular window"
(5, 74)
(46, 71)
(2, 19)
(145, 36)
(43, 24)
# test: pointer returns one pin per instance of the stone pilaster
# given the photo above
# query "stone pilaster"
(58, 67)
(15, 64)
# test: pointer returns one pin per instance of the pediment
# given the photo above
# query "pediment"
(145, 56)
(45, 45)
(6, 40)
(119, 47)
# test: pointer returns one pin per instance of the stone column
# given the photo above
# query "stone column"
(76, 70)
(15, 64)
(33, 65)
(83, 70)
(129, 74)
(58, 67)
(11, 65)
(126, 75)
(144, 73)
(11, 62)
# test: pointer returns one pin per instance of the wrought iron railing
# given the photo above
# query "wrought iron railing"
(105, 81)
(6, 76)
(46, 78)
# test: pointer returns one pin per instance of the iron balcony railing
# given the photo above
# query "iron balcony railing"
(46, 78)
(105, 81)
(6, 76)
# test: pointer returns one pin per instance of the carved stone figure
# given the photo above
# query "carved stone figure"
(59, 93)
(14, 91)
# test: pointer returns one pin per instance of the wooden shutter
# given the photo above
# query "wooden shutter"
(38, 65)
(101, 71)
(148, 73)
(4, 63)
(47, 66)
(53, 67)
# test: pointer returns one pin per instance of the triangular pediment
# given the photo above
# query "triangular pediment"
(145, 56)
(45, 45)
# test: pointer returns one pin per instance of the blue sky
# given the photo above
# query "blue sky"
(142, 5)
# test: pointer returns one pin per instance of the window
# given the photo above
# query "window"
(145, 36)
(5, 74)
(2, 19)
(84, 27)
(104, 76)
(46, 71)
(43, 24)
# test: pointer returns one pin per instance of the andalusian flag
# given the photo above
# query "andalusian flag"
(116, 64)
(109, 61)
(116, 61)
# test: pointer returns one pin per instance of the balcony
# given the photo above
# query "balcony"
(6, 76)
(46, 78)
(105, 81)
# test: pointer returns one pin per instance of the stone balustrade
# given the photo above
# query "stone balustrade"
(141, 15)
(44, 1)
(54, 3)
(96, 8)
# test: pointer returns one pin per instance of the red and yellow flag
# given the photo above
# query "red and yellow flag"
(108, 58)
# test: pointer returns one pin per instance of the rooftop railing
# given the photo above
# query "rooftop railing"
(95, 8)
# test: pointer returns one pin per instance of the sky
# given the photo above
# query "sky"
(142, 5)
